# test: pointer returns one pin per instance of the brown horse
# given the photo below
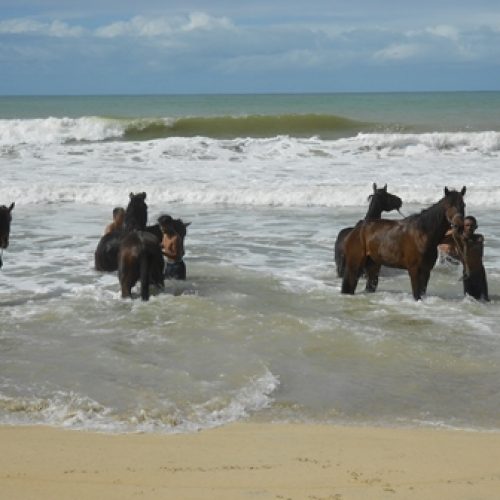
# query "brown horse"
(136, 214)
(380, 201)
(410, 243)
(5, 220)
(140, 258)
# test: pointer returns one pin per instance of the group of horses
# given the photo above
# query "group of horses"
(135, 251)
(409, 243)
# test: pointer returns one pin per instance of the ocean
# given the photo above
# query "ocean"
(259, 331)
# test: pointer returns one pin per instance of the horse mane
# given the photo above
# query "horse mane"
(429, 217)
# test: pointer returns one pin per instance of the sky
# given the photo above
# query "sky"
(60, 47)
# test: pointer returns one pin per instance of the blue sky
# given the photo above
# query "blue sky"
(219, 46)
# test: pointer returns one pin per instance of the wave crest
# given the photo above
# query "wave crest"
(93, 128)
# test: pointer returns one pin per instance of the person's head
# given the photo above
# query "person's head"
(470, 225)
(166, 225)
(119, 215)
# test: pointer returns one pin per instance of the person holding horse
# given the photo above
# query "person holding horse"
(173, 248)
(118, 220)
(470, 247)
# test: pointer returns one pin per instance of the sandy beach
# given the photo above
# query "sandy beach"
(256, 461)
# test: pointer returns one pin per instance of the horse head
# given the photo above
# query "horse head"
(382, 201)
(136, 215)
(5, 219)
(454, 203)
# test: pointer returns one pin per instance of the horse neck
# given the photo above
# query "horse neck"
(374, 209)
(433, 222)
(132, 221)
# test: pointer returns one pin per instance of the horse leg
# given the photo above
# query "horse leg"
(415, 282)
(144, 265)
(424, 276)
(352, 273)
(372, 271)
(125, 285)
(127, 273)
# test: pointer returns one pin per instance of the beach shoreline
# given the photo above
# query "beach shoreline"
(247, 460)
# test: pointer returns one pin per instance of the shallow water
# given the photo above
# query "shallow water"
(259, 330)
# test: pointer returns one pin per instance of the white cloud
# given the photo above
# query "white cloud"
(145, 27)
(398, 52)
(444, 31)
(138, 26)
(32, 27)
(201, 20)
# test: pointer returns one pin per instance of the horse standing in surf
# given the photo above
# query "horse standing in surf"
(380, 201)
(139, 253)
(5, 220)
(106, 253)
(410, 243)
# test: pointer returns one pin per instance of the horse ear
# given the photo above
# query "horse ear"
(12, 205)
(385, 188)
(374, 187)
(464, 189)
(143, 195)
(187, 224)
(446, 191)
(131, 195)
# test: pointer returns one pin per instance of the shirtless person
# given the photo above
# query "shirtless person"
(118, 220)
(173, 248)
(471, 247)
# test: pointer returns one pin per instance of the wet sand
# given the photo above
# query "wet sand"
(250, 461)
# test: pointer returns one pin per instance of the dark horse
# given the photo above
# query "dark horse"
(380, 201)
(5, 220)
(410, 243)
(139, 255)
(140, 258)
(106, 253)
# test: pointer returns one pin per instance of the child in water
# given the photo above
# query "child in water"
(118, 220)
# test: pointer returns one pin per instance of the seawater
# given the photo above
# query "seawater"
(259, 331)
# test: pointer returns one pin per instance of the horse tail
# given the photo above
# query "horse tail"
(144, 265)
(339, 254)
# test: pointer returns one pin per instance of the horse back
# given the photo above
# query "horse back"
(395, 243)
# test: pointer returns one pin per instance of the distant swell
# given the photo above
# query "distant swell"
(95, 129)
(258, 126)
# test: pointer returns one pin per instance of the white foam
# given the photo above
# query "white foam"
(58, 130)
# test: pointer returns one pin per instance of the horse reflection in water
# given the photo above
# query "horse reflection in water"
(5, 220)
(410, 243)
(380, 201)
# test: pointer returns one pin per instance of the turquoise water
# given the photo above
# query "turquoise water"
(420, 111)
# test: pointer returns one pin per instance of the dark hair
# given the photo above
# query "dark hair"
(472, 219)
(117, 210)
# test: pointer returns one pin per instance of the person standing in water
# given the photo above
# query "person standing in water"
(173, 248)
